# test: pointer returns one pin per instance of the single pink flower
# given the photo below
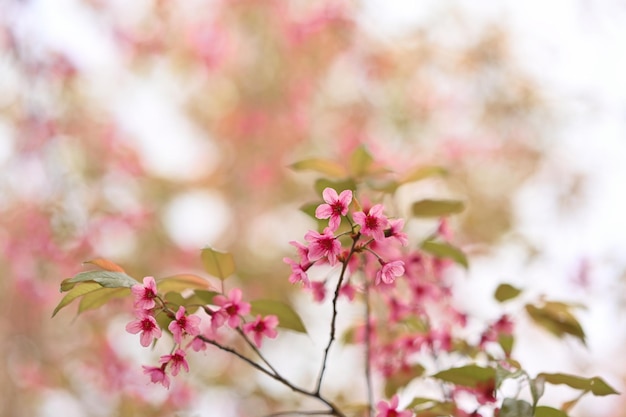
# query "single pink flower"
(335, 207)
(176, 360)
(323, 245)
(157, 375)
(390, 409)
(373, 223)
(231, 307)
(389, 272)
(147, 325)
(262, 326)
(184, 324)
(396, 231)
(145, 294)
(298, 271)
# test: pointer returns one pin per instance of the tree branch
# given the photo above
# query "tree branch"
(334, 317)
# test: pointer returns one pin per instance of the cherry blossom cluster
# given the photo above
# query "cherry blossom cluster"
(414, 320)
(371, 233)
(230, 310)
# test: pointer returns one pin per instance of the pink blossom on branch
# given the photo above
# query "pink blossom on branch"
(157, 375)
(231, 308)
(302, 250)
(145, 294)
(373, 223)
(395, 231)
(389, 272)
(390, 409)
(184, 324)
(262, 326)
(147, 325)
(335, 207)
(176, 360)
(323, 245)
(298, 272)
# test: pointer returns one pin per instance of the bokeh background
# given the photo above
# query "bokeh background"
(143, 131)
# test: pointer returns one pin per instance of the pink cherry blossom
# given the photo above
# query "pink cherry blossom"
(176, 360)
(231, 307)
(298, 272)
(147, 325)
(184, 324)
(303, 251)
(145, 294)
(396, 231)
(390, 409)
(262, 326)
(389, 272)
(335, 207)
(373, 223)
(323, 245)
(157, 375)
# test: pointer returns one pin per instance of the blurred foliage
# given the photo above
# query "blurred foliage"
(262, 83)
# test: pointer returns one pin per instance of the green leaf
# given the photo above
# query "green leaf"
(108, 279)
(287, 317)
(506, 292)
(537, 387)
(339, 186)
(438, 410)
(100, 297)
(506, 342)
(77, 291)
(191, 303)
(543, 411)
(467, 376)
(402, 379)
(206, 296)
(422, 173)
(360, 161)
(557, 318)
(515, 408)
(182, 282)
(445, 250)
(322, 166)
(420, 401)
(436, 208)
(175, 299)
(219, 264)
(503, 374)
(597, 386)
(600, 388)
(163, 320)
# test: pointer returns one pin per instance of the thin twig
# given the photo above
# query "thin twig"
(368, 332)
(257, 351)
(333, 410)
(301, 413)
(334, 317)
